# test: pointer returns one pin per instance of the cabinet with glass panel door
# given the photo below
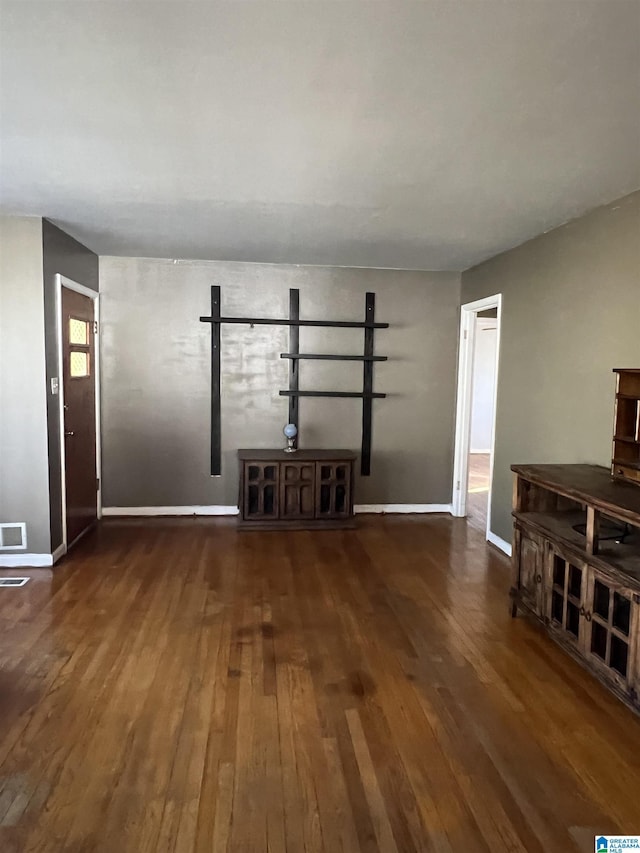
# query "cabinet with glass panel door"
(612, 625)
(587, 526)
(530, 548)
(566, 587)
(304, 489)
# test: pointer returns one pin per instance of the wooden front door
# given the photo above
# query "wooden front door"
(79, 389)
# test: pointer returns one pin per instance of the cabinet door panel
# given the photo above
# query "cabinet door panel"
(333, 489)
(297, 488)
(260, 490)
(530, 556)
(634, 651)
(566, 581)
(612, 622)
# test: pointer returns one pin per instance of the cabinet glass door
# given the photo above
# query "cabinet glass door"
(297, 480)
(333, 489)
(260, 490)
(611, 616)
(565, 602)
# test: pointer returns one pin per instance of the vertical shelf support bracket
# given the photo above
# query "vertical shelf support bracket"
(294, 363)
(216, 417)
(369, 318)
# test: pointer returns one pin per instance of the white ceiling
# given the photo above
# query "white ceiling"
(426, 135)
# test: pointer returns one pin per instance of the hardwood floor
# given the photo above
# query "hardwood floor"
(175, 685)
(478, 490)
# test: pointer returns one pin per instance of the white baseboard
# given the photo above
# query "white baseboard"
(17, 561)
(142, 511)
(500, 543)
(168, 510)
(60, 551)
(401, 508)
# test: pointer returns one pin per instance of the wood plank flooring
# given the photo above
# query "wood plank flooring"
(177, 685)
(478, 490)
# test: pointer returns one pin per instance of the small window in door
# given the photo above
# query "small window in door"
(78, 332)
(78, 364)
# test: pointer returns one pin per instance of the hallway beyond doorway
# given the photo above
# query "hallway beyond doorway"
(478, 491)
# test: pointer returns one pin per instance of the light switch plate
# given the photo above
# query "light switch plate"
(55, 385)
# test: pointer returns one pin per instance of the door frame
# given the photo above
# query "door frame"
(63, 281)
(468, 316)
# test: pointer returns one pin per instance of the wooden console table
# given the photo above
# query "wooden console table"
(576, 566)
(305, 489)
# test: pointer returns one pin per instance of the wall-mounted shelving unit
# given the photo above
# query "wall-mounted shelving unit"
(368, 358)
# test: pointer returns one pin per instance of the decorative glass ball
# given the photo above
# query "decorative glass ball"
(290, 431)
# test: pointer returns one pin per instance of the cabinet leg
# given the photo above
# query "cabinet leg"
(513, 593)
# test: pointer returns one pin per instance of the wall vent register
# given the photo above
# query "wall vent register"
(13, 535)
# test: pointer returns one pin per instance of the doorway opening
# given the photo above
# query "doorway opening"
(79, 410)
(482, 416)
(476, 412)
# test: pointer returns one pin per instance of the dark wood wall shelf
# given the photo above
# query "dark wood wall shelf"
(576, 566)
(320, 356)
(265, 321)
(362, 394)
(367, 395)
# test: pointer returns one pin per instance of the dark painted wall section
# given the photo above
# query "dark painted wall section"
(156, 376)
(61, 254)
(23, 437)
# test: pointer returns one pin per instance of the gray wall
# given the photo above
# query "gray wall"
(24, 484)
(156, 376)
(571, 313)
(60, 254)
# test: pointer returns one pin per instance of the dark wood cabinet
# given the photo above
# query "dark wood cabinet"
(333, 489)
(576, 566)
(297, 490)
(625, 464)
(308, 488)
(565, 588)
(611, 636)
(530, 550)
(260, 490)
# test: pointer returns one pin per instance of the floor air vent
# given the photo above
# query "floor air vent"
(13, 581)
